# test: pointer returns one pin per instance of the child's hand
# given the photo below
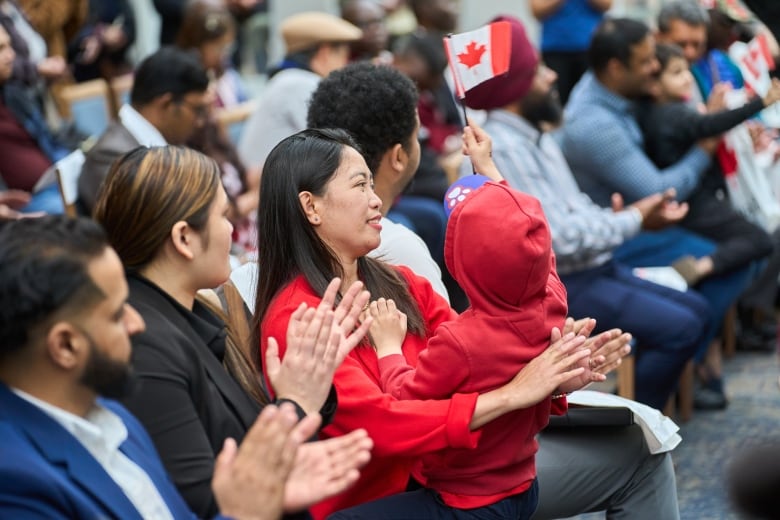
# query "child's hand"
(549, 372)
(717, 99)
(478, 146)
(389, 327)
(774, 93)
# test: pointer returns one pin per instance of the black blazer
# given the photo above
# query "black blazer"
(185, 399)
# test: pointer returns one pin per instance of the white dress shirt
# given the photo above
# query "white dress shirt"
(142, 130)
(101, 432)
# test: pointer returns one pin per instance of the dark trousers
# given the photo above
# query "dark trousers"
(667, 325)
(762, 293)
(569, 66)
(739, 241)
(662, 248)
(426, 504)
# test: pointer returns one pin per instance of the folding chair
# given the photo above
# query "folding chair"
(68, 171)
(87, 105)
(120, 91)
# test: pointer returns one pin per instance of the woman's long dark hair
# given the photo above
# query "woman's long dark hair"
(288, 245)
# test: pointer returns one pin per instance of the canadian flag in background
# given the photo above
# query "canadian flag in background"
(754, 60)
(479, 55)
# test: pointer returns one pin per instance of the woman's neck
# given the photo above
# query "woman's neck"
(349, 274)
(172, 281)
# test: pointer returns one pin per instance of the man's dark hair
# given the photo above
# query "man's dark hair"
(168, 71)
(377, 105)
(686, 11)
(43, 271)
(427, 46)
(614, 39)
(664, 52)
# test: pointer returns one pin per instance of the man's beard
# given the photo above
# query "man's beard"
(541, 108)
(105, 376)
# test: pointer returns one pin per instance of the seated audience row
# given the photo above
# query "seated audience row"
(200, 382)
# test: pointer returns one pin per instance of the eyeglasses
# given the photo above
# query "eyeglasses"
(200, 111)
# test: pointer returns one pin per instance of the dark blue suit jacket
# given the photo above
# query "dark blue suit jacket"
(45, 472)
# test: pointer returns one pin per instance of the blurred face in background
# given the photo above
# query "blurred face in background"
(675, 81)
(7, 56)
(186, 115)
(692, 39)
(438, 15)
(639, 77)
(723, 30)
(215, 54)
(542, 104)
(370, 18)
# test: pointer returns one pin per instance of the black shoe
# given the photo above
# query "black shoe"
(755, 341)
(713, 383)
(756, 322)
(707, 399)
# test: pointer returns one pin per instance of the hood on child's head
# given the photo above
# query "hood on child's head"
(498, 244)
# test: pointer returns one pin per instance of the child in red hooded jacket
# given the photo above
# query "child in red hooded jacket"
(498, 248)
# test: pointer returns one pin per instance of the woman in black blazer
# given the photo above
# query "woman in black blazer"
(165, 213)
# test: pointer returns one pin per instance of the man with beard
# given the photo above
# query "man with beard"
(580, 469)
(68, 450)
(520, 103)
(604, 146)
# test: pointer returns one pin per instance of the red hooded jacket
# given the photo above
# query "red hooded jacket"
(498, 248)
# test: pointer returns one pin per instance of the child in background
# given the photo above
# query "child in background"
(498, 248)
(671, 126)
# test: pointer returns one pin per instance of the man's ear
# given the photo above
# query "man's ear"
(615, 68)
(65, 344)
(397, 158)
(309, 208)
(183, 239)
(163, 101)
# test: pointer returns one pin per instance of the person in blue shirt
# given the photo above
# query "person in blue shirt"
(567, 26)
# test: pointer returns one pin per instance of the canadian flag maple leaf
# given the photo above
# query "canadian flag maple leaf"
(478, 55)
(473, 55)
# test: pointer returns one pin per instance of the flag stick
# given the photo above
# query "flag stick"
(465, 124)
(458, 87)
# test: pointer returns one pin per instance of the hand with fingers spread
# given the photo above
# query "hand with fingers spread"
(551, 369)
(347, 317)
(325, 468)
(275, 470)
(317, 342)
(609, 348)
(581, 327)
(607, 351)
(658, 210)
(587, 363)
(388, 329)
(249, 481)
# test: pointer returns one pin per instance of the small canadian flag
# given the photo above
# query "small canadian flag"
(479, 55)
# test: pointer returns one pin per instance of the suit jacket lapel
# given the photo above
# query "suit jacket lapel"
(64, 451)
